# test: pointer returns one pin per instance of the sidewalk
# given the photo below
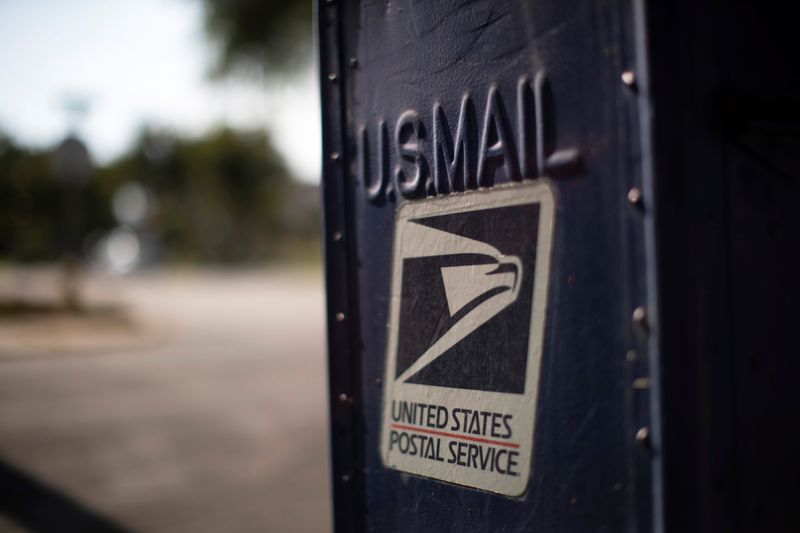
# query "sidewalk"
(186, 401)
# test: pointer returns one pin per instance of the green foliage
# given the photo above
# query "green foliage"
(27, 195)
(220, 197)
(31, 205)
(259, 34)
(224, 197)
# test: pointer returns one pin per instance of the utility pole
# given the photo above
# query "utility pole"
(73, 169)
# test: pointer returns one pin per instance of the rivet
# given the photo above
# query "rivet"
(640, 317)
(629, 78)
(353, 62)
(643, 437)
(332, 76)
(335, 156)
(345, 478)
(337, 236)
(641, 383)
(343, 397)
(631, 356)
(635, 196)
(340, 317)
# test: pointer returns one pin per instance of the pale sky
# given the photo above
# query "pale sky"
(138, 62)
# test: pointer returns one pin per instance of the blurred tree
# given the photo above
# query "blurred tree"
(224, 197)
(220, 197)
(30, 204)
(28, 196)
(259, 35)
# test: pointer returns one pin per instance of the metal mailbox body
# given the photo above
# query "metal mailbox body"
(559, 94)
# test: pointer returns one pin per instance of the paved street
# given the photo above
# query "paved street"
(189, 401)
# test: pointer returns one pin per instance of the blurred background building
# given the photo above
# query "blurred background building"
(161, 316)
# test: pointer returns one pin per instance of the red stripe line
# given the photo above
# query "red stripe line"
(456, 436)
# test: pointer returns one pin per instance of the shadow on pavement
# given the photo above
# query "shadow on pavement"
(19, 308)
(37, 507)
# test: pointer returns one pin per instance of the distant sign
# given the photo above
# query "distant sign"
(467, 319)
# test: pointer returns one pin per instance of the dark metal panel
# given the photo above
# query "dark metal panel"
(343, 364)
(588, 472)
(724, 190)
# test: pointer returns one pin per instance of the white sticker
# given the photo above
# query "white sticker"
(469, 290)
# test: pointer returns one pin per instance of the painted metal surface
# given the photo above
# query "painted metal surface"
(664, 383)
(541, 81)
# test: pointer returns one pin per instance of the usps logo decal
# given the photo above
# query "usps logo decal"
(467, 320)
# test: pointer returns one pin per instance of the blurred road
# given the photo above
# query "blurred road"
(186, 402)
